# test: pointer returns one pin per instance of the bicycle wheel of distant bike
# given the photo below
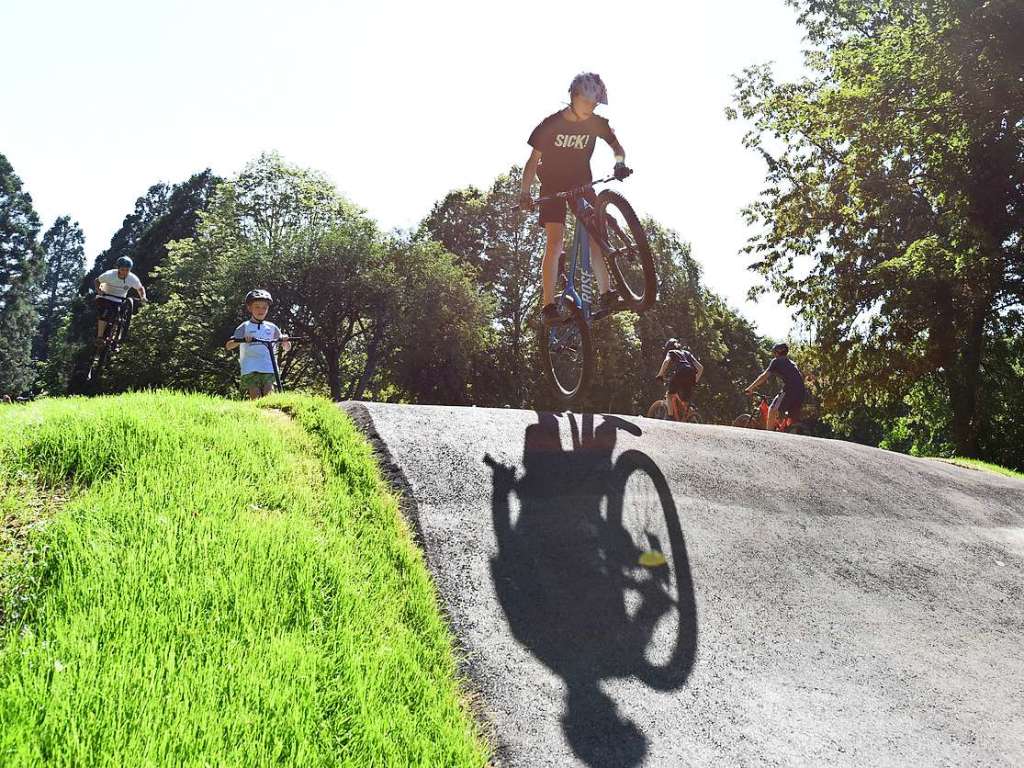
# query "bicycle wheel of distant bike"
(569, 356)
(659, 410)
(630, 260)
(647, 547)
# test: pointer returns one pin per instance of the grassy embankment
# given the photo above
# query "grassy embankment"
(979, 464)
(191, 581)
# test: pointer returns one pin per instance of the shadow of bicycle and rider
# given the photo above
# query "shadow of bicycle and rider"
(572, 533)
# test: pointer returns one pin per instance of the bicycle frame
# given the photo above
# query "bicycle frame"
(676, 404)
(584, 212)
(580, 254)
(784, 422)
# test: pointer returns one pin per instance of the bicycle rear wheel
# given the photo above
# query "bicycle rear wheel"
(630, 260)
(569, 357)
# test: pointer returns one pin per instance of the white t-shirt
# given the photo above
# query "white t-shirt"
(114, 287)
(255, 358)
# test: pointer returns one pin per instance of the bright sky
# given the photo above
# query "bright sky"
(396, 102)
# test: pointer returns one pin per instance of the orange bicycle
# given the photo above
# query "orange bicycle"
(758, 418)
(663, 408)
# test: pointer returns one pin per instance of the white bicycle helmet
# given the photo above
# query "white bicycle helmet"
(591, 85)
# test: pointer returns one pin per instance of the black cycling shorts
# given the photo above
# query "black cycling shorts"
(791, 403)
(107, 308)
(553, 211)
(682, 384)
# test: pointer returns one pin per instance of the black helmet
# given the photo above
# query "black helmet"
(258, 293)
(672, 344)
(781, 347)
(125, 263)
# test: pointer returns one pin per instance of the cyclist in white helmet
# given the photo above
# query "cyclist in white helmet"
(562, 146)
(112, 288)
(254, 358)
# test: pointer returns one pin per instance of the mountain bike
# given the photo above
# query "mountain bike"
(115, 332)
(567, 348)
(662, 409)
(269, 344)
(758, 418)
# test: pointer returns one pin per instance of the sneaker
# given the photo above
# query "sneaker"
(550, 315)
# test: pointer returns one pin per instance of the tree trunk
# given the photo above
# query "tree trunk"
(334, 372)
(964, 382)
(372, 358)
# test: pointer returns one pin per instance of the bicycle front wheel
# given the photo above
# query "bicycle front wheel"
(629, 260)
(569, 357)
(744, 420)
(658, 410)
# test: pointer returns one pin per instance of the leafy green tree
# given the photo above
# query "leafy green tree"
(892, 213)
(21, 266)
(440, 328)
(379, 316)
(64, 253)
(504, 247)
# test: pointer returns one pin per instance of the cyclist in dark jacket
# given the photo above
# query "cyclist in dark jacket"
(791, 399)
(681, 370)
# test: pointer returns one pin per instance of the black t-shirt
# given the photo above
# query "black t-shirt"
(785, 369)
(566, 148)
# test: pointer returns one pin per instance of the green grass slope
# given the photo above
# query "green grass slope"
(191, 581)
(984, 465)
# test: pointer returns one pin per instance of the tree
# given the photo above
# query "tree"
(379, 316)
(441, 328)
(64, 253)
(893, 214)
(503, 247)
(21, 266)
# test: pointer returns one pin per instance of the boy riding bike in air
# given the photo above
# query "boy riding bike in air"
(681, 370)
(563, 144)
(791, 399)
(112, 289)
(254, 358)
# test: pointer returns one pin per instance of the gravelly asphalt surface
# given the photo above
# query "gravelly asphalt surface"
(822, 603)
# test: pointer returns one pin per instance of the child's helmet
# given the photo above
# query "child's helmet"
(258, 293)
(591, 85)
(125, 263)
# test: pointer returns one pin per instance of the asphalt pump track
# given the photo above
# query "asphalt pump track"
(631, 592)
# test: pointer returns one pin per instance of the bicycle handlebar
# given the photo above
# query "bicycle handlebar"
(122, 298)
(574, 191)
(268, 341)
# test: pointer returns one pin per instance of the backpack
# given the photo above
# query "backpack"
(682, 364)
